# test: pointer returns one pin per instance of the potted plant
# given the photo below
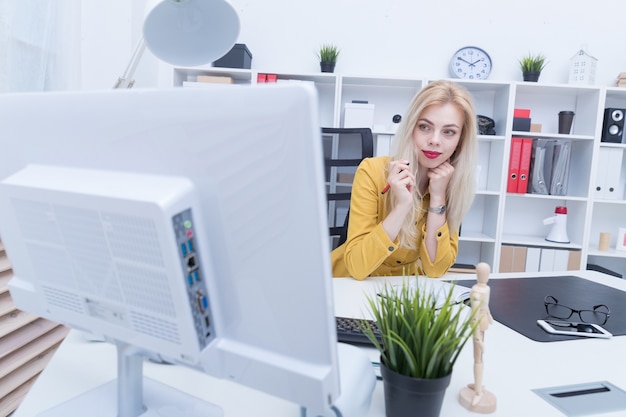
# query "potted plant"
(422, 334)
(328, 54)
(531, 66)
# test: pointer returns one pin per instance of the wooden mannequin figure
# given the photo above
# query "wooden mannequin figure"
(475, 397)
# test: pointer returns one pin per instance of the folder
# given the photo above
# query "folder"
(533, 258)
(561, 258)
(546, 263)
(514, 161)
(573, 261)
(541, 166)
(506, 258)
(512, 258)
(609, 182)
(560, 167)
(524, 165)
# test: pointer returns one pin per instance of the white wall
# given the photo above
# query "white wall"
(384, 37)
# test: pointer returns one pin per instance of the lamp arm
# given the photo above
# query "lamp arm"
(126, 80)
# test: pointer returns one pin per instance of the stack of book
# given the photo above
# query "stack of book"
(621, 79)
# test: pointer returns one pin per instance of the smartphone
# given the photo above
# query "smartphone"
(574, 328)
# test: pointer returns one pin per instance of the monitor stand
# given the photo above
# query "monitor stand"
(132, 395)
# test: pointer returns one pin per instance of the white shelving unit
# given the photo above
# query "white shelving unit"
(496, 218)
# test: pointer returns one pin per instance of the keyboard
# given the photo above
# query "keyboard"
(349, 331)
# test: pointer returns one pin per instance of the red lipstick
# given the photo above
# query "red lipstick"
(431, 154)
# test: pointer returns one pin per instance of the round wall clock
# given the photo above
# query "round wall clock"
(470, 63)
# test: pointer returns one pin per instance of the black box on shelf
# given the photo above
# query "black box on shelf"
(521, 124)
(238, 57)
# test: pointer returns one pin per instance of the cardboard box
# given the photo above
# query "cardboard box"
(238, 57)
(358, 115)
(521, 124)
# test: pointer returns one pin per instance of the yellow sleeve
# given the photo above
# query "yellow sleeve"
(368, 245)
(447, 250)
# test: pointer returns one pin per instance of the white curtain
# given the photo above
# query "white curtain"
(40, 40)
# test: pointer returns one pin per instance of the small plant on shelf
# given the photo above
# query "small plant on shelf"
(328, 54)
(532, 65)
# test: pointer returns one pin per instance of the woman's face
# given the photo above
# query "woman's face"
(437, 134)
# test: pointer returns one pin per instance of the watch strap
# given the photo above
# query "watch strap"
(437, 210)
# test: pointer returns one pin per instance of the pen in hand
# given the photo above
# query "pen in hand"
(387, 187)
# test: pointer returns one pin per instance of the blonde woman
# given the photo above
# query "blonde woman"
(406, 209)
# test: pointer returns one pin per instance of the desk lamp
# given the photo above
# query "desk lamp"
(185, 33)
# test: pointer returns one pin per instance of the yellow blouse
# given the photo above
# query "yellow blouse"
(368, 251)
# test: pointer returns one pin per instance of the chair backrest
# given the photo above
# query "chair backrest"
(344, 149)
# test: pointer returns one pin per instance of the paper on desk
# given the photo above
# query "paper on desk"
(440, 289)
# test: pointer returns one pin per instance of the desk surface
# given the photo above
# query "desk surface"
(513, 366)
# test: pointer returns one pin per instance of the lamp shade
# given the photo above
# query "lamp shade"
(191, 32)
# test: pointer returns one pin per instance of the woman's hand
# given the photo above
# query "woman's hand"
(402, 181)
(438, 180)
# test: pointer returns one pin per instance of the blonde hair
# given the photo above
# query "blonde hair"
(461, 189)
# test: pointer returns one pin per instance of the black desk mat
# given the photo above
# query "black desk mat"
(518, 303)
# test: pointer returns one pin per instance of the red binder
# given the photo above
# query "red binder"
(524, 165)
(261, 78)
(271, 78)
(514, 161)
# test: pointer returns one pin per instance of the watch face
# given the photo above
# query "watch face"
(470, 63)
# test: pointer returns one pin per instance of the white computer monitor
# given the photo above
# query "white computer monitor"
(111, 200)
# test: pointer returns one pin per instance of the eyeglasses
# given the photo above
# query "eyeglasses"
(599, 314)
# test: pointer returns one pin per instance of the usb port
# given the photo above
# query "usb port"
(196, 275)
(183, 249)
(190, 280)
(190, 245)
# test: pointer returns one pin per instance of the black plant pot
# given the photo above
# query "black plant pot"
(531, 76)
(411, 397)
(327, 66)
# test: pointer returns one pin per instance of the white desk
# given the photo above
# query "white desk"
(513, 366)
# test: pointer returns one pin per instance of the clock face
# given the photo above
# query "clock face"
(470, 63)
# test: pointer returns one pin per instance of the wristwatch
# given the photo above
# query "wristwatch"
(437, 210)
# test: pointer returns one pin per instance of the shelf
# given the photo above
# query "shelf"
(475, 237)
(551, 135)
(539, 241)
(611, 202)
(496, 217)
(611, 253)
(561, 198)
(612, 145)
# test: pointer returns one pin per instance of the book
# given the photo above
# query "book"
(215, 79)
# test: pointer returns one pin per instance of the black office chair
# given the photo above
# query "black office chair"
(344, 149)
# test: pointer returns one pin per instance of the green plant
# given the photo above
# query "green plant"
(533, 63)
(328, 53)
(421, 336)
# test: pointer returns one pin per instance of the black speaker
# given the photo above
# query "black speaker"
(613, 126)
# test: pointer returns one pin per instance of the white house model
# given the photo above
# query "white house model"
(582, 68)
